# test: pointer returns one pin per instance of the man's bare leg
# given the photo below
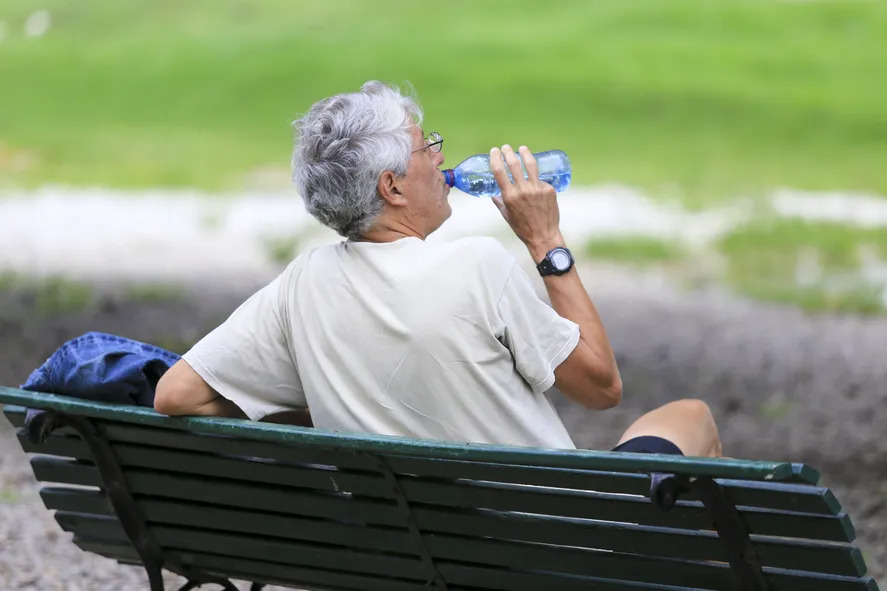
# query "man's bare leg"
(687, 423)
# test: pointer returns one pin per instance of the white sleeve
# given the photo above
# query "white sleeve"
(248, 359)
(538, 338)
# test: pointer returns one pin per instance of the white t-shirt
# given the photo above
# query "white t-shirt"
(444, 341)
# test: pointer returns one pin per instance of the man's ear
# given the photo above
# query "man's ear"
(389, 188)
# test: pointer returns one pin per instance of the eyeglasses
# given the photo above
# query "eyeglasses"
(434, 141)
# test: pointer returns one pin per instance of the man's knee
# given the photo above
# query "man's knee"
(697, 409)
(699, 413)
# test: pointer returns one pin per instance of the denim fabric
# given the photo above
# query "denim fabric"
(105, 368)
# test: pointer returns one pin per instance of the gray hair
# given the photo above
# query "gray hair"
(343, 144)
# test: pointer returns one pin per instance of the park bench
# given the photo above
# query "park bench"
(220, 499)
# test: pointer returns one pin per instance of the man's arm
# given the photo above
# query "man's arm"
(181, 391)
(589, 375)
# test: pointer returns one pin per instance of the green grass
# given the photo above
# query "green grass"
(153, 292)
(57, 295)
(51, 295)
(636, 250)
(816, 266)
(714, 98)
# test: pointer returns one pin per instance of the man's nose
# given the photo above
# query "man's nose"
(439, 158)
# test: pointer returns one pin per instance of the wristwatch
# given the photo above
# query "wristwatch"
(557, 261)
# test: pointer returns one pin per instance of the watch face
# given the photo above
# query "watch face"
(560, 259)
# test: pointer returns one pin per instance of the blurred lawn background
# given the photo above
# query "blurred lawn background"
(700, 101)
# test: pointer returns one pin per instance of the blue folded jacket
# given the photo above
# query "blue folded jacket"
(105, 368)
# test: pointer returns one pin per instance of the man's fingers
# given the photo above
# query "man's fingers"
(513, 163)
(530, 163)
(497, 167)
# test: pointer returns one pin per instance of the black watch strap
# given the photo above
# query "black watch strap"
(557, 261)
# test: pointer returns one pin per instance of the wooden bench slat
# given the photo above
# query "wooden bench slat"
(685, 515)
(592, 564)
(76, 500)
(241, 468)
(255, 571)
(786, 554)
(780, 553)
(226, 493)
(306, 476)
(778, 496)
(254, 547)
(206, 516)
(92, 526)
(108, 548)
(633, 567)
(275, 573)
(665, 542)
(620, 508)
(493, 578)
(515, 557)
(788, 497)
(509, 580)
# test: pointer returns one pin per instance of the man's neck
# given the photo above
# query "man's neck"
(389, 231)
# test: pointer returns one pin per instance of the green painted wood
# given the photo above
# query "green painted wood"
(263, 572)
(804, 474)
(108, 549)
(236, 521)
(96, 527)
(252, 547)
(491, 577)
(395, 446)
(510, 580)
(629, 538)
(220, 491)
(787, 554)
(685, 515)
(278, 574)
(614, 565)
(777, 496)
(66, 446)
(252, 471)
(589, 505)
(673, 543)
(182, 440)
(292, 553)
(76, 500)
(564, 561)
(681, 544)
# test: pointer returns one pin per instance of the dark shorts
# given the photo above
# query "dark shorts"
(648, 444)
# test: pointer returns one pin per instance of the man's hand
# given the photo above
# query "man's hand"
(527, 204)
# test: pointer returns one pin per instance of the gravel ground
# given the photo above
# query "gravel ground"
(783, 385)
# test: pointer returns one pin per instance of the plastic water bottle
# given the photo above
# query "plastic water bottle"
(473, 176)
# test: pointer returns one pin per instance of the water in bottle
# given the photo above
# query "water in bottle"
(473, 176)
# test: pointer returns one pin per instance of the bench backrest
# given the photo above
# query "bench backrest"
(296, 506)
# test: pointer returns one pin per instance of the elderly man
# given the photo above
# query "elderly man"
(388, 333)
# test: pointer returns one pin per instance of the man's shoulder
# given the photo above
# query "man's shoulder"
(482, 248)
